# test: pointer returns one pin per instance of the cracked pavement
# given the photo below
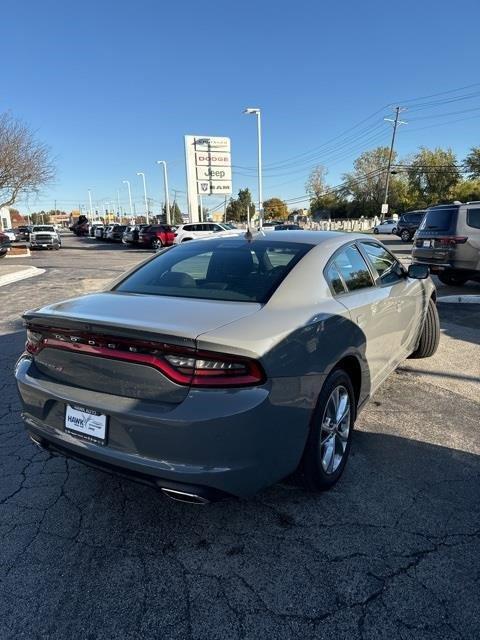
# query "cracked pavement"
(392, 552)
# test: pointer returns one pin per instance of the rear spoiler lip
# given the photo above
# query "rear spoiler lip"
(97, 326)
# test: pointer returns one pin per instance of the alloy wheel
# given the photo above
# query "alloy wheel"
(335, 429)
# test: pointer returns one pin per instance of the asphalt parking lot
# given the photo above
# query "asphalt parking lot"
(392, 552)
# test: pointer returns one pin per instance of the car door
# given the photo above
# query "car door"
(403, 300)
(365, 302)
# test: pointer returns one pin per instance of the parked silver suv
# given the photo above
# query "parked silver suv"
(448, 241)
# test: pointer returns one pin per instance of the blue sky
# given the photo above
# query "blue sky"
(114, 86)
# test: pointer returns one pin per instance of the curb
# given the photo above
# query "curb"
(461, 299)
(29, 272)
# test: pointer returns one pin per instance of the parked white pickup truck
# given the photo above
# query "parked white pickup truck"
(44, 236)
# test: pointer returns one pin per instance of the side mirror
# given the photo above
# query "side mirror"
(418, 271)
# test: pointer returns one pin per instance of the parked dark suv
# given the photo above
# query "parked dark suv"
(448, 241)
(156, 236)
(408, 223)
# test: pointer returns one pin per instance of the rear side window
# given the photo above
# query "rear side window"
(353, 269)
(439, 219)
(217, 270)
(334, 279)
(382, 261)
(473, 218)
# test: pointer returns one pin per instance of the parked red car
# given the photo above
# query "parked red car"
(156, 236)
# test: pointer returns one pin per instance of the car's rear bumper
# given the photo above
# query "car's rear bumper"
(234, 441)
(450, 265)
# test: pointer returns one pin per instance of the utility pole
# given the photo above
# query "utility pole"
(225, 210)
(396, 122)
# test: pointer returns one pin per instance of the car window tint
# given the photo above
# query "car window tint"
(217, 270)
(383, 261)
(473, 218)
(439, 219)
(353, 268)
(334, 279)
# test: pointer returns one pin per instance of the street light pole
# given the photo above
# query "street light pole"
(90, 201)
(257, 112)
(165, 180)
(396, 122)
(127, 182)
(140, 173)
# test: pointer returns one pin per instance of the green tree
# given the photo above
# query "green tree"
(365, 185)
(238, 208)
(466, 190)
(41, 217)
(472, 163)
(432, 174)
(175, 213)
(276, 209)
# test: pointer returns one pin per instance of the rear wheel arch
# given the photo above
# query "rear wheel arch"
(351, 365)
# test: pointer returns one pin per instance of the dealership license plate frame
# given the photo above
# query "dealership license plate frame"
(95, 424)
(427, 244)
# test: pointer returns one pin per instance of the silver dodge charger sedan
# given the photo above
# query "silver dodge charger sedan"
(222, 365)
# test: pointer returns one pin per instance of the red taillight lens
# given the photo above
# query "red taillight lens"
(34, 342)
(450, 241)
(182, 365)
(208, 369)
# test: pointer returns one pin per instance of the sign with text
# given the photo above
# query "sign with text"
(212, 144)
(209, 169)
(209, 158)
(210, 187)
(214, 173)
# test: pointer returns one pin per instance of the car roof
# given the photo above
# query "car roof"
(333, 239)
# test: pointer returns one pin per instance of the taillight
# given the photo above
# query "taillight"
(182, 365)
(209, 369)
(34, 342)
(450, 241)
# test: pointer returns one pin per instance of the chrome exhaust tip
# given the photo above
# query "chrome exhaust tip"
(37, 441)
(183, 496)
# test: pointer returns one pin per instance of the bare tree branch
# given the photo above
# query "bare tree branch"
(25, 163)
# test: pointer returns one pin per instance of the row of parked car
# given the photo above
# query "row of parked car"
(155, 236)
(405, 227)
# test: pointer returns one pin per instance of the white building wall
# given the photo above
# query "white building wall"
(5, 221)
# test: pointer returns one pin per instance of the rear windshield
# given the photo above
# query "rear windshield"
(235, 270)
(439, 219)
(43, 228)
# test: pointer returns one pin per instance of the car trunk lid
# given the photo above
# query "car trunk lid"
(118, 343)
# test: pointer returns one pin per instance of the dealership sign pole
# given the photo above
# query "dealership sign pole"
(209, 169)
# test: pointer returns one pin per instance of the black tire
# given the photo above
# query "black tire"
(452, 279)
(376, 231)
(311, 472)
(3, 254)
(430, 336)
(156, 244)
(405, 235)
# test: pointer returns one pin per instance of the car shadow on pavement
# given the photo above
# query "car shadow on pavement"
(394, 547)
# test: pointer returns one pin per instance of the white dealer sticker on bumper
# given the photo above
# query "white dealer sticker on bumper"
(86, 423)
